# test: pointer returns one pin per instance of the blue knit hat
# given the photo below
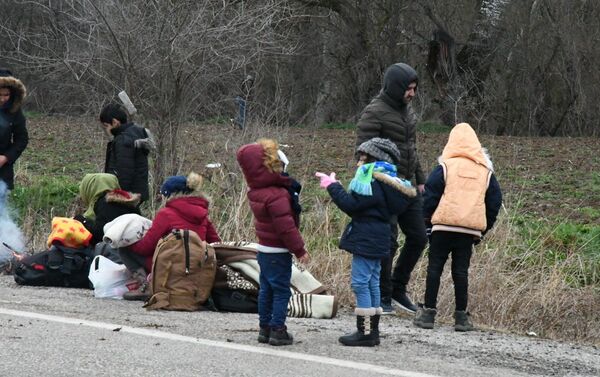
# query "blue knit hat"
(175, 184)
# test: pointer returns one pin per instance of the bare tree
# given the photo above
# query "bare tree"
(506, 66)
(168, 55)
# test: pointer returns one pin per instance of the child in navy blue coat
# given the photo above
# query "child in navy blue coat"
(375, 195)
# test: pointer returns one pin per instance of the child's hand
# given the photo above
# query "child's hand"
(304, 258)
(326, 180)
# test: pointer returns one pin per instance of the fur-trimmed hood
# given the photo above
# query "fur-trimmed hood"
(17, 90)
(123, 197)
(261, 165)
(463, 142)
(396, 183)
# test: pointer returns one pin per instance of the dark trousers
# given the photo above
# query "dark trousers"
(274, 293)
(411, 223)
(134, 262)
(460, 245)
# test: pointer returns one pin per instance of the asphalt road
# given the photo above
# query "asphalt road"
(67, 332)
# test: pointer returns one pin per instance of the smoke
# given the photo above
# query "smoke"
(10, 233)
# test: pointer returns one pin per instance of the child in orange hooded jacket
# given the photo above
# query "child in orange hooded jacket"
(461, 202)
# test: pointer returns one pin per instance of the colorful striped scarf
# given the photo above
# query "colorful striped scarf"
(361, 183)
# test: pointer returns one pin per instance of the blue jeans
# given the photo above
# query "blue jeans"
(365, 281)
(240, 120)
(274, 293)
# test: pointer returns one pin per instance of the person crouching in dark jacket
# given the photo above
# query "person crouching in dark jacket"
(375, 195)
(276, 225)
(461, 202)
(104, 201)
(127, 153)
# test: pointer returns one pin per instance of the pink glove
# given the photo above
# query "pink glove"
(326, 180)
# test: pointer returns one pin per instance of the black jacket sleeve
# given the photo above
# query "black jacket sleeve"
(349, 203)
(20, 138)
(493, 202)
(434, 188)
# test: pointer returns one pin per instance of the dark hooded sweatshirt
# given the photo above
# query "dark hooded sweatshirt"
(13, 131)
(388, 117)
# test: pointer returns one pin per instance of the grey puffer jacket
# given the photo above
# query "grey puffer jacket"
(388, 117)
(379, 119)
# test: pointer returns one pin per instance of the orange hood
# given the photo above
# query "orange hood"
(463, 142)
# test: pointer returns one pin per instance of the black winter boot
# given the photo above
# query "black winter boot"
(425, 317)
(363, 336)
(375, 325)
(264, 334)
(462, 321)
(401, 299)
(280, 337)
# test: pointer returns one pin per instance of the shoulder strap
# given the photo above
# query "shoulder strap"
(186, 245)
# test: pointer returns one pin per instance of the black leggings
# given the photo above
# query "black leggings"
(460, 245)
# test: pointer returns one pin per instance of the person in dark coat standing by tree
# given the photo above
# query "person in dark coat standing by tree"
(390, 116)
(127, 153)
(241, 100)
(13, 130)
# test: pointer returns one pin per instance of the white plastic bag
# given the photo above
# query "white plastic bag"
(109, 278)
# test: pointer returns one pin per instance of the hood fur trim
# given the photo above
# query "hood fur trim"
(116, 197)
(271, 158)
(17, 90)
(396, 184)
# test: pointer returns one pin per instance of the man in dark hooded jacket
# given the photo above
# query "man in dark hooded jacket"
(13, 131)
(390, 116)
(127, 153)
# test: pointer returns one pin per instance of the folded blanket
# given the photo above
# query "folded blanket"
(312, 306)
(307, 300)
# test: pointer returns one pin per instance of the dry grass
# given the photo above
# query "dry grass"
(509, 291)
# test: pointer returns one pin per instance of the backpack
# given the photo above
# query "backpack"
(234, 300)
(60, 266)
(183, 272)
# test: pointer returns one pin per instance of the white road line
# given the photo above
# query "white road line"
(212, 343)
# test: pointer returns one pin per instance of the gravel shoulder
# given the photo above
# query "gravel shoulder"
(441, 351)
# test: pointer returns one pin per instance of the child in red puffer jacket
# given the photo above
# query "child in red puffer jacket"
(276, 225)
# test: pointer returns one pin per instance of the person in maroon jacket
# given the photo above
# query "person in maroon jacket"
(185, 208)
(276, 225)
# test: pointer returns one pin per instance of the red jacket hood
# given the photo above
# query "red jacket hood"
(251, 158)
(193, 209)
